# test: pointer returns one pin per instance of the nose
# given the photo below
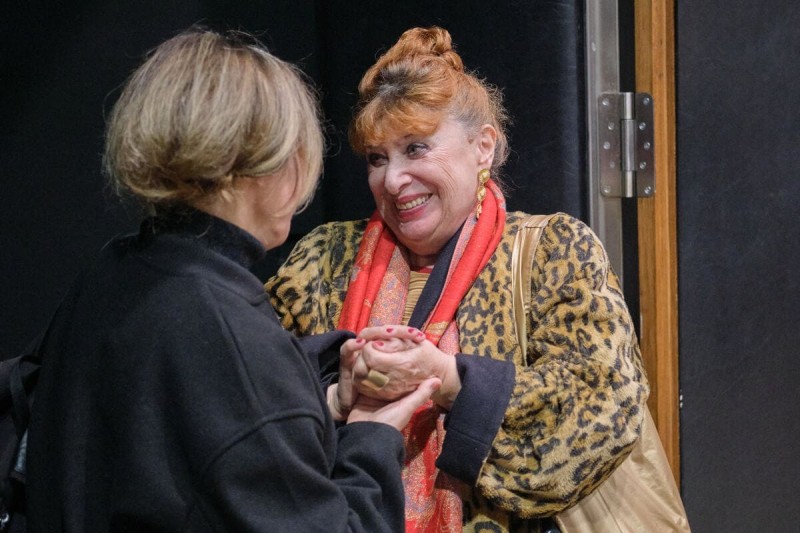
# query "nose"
(396, 177)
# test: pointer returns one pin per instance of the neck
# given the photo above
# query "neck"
(237, 208)
(421, 261)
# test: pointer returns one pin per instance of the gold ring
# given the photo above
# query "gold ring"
(375, 380)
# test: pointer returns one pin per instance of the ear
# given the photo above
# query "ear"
(484, 147)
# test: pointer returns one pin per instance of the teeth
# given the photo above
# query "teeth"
(413, 203)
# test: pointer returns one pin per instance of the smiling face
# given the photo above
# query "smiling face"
(424, 185)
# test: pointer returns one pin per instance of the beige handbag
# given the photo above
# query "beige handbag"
(641, 494)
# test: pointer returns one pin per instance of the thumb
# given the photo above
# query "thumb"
(423, 392)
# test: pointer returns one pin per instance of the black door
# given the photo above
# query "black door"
(738, 184)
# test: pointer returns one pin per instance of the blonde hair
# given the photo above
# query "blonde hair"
(205, 109)
(418, 82)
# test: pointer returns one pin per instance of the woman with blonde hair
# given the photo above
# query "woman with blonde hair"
(170, 399)
(513, 436)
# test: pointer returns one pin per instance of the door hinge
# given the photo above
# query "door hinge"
(625, 135)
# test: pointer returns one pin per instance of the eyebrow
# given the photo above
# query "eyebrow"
(405, 138)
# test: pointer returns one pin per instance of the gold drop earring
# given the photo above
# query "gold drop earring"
(483, 177)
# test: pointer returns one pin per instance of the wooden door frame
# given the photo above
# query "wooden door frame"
(657, 231)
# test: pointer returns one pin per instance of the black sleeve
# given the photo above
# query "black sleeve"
(324, 348)
(275, 479)
(476, 415)
(286, 467)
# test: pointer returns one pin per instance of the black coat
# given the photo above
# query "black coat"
(171, 399)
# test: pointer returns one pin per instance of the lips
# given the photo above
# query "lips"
(411, 204)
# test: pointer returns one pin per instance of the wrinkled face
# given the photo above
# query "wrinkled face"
(425, 185)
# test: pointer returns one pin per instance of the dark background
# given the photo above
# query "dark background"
(63, 65)
(738, 112)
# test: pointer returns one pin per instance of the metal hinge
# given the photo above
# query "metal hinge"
(625, 135)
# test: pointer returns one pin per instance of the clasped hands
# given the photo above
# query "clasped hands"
(391, 368)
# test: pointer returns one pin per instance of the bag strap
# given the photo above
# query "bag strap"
(522, 255)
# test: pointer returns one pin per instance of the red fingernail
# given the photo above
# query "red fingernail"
(359, 341)
(389, 330)
(411, 330)
(378, 343)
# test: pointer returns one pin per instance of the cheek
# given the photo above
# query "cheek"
(374, 174)
(450, 182)
(375, 183)
(286, 196)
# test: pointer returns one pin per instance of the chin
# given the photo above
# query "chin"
(274, 239)
(279, 241)
(412, 231)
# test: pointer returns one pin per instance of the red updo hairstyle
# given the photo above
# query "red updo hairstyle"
(418, 82)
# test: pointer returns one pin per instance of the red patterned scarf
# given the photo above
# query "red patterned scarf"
(376, 296)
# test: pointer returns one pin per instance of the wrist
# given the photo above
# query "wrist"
(445, 397)
(334, 406)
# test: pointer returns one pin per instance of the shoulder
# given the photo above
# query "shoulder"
(569, 250)
(556, 222)
(335, 231)
(563, 237)
(330, 242)
(568, 228)
(571, 241)
(312, 282)
(336, 239)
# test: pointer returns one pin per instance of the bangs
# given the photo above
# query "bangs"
(379, 120)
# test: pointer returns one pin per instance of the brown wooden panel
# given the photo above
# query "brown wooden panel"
(658, 271)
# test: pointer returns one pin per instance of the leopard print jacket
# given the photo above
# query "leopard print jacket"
(577, 404)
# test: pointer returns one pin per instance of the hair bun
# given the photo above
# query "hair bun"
(433, 41)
